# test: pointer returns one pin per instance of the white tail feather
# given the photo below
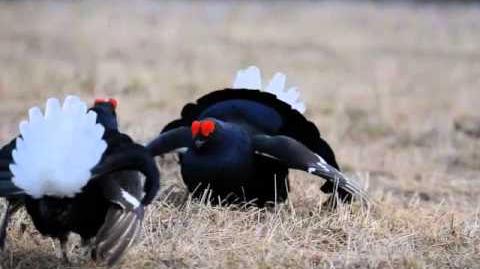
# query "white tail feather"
(251, 78)
(56, 152)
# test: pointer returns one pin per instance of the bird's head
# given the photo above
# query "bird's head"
(204, 132)
(211, 134)
(106, 115)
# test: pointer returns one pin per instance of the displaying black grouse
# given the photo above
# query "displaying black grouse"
(75, 172)
(241, 142)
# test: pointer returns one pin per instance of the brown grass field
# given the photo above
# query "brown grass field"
(386, 83)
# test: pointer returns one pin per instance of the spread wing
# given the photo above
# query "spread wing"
(118, 174)
(179, 137)
(297, 156)
(130, 156)
(124, 217)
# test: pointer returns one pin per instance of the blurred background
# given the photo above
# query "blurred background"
(394, 86)
(376, 76)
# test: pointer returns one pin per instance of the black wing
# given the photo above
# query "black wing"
(124, 217)
(117, 234)
(297, 156)
(179, 137)
(118, 176)
(121, 155)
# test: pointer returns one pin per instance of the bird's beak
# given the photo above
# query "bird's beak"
(199, 143)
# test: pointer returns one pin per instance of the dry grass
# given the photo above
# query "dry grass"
(384, 82)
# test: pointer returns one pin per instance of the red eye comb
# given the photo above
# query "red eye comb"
(205, 128)
(112, 101)
(208, 127)
(195, 128)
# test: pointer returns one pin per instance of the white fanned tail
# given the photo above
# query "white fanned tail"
(56, 151)
(251, 78)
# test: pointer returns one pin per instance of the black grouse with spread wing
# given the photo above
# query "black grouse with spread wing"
(241, 142)
(107, 206)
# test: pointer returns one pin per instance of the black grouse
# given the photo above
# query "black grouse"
(239, 144)
(75, 172)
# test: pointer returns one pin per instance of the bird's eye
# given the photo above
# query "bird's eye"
(208, 127)
(195, 128)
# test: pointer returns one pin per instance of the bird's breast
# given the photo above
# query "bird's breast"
(226, 168)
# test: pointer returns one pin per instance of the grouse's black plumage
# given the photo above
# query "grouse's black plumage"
(256, 139)
(109, 208)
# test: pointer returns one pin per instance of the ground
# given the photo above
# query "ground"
(390, 86)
